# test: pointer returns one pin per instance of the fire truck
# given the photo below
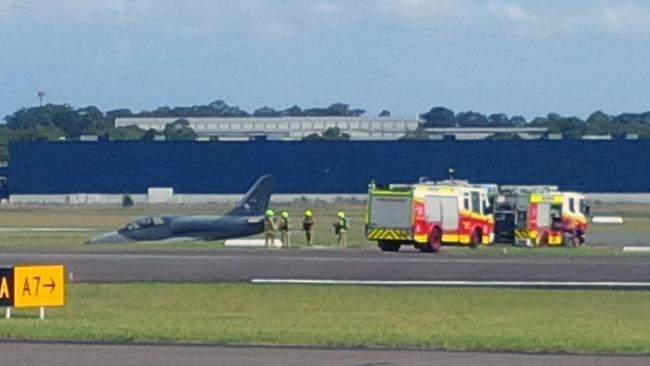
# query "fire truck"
(428, 214)
(540, 216)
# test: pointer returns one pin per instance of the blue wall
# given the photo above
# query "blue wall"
(322, 166)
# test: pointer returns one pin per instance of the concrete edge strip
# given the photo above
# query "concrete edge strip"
(47, 229)
(532, 284)
(636, 249)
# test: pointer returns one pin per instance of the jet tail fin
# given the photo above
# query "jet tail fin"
(256, 200)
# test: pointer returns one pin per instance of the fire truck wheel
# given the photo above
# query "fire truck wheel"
(475, 239)
(388, 246)
(434, 243)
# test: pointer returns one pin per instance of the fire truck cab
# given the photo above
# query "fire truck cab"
(575, 213)
(427, 215)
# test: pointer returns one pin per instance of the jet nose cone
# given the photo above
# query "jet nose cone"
(109, 238)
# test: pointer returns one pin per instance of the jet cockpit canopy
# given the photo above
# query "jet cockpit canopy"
(147, 222)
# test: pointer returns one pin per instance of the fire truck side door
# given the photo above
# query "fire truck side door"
(433, 209)
(543, 215)
(449, 213)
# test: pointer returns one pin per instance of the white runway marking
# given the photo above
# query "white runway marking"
(553, 284)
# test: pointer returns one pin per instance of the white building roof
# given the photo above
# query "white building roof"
(281, 127)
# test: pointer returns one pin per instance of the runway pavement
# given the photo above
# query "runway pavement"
(366, 264)
(65, 354)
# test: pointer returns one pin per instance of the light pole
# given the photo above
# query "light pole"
(41, 95)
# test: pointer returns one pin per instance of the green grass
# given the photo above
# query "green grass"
(62, 242)
(440, 318)
(102, 218)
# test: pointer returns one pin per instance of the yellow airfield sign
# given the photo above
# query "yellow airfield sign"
(35, 286)
(6, 287)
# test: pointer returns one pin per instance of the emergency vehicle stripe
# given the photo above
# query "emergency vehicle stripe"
(388, 234)
(522, 234)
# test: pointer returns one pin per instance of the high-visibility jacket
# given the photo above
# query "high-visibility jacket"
(269, 225)
(307, 223)
(343, 223)
(284, 224)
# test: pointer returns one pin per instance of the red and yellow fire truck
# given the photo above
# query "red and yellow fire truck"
(541, 217)
(429, 214)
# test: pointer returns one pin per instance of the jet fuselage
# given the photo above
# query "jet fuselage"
(196, 227)
(245, 219)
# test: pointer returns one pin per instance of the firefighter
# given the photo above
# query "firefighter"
(341, 229)
(269, 228)
(577, 236)
(308, 225)
(285, 236)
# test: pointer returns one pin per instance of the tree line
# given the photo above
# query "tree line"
(53, 122)
(62, 121)
(598, 123)
(219, 108)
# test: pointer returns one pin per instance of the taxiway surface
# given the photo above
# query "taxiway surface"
(365, 264)
(55, 354)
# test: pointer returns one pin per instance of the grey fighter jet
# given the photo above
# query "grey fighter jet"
(244, 220)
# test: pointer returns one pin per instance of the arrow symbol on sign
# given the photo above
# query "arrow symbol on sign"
(51, 285)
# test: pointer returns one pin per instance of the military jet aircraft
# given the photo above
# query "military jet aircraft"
(244, 220)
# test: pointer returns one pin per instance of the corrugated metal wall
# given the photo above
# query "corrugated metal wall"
(323, 166)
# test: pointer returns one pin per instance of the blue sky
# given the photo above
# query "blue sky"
(516, 57)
